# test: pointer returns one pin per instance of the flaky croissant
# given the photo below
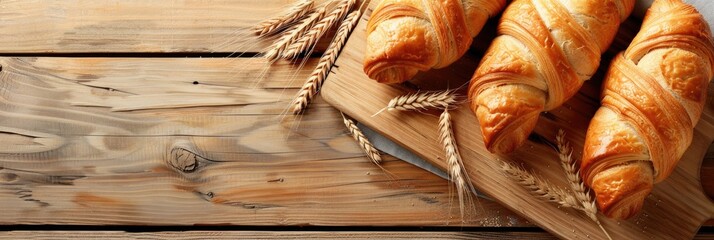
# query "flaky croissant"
(408, 36)
(652, 98)
(545, 50)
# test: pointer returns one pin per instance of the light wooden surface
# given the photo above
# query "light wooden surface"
(274, 235)
(113, 122)
(676, 208)
(135, 141)
(157, 26)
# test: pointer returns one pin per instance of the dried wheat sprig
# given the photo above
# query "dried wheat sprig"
(314, 82)
(540, 188)
(308, 40)
(298, 10)
(421, 100)
(565, 154)
(453, 157)
(363, 142)
(294, 33)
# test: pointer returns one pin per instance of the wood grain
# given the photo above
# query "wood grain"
(675, 209)
(190, 235)
(98, 141)
(158, 26)
(274, 235)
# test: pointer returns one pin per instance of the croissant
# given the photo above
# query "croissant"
(408, 36)
(544, 52)
(653, 96)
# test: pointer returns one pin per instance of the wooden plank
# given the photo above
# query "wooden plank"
(273, 235)
(707, 177)
(108, 235)
(104, 141)
(675, 209)
(707, 172)
(78, 26)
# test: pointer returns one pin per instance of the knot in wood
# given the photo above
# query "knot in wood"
(8, 177)
(184, 157)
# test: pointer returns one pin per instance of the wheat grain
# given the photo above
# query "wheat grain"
(308, 40)
(566, 161)
(422, 100)
(363, 142)
(294, 33)
(314, 82)
(576, 183)
(540, 188)
(453, 158)
(300, 9)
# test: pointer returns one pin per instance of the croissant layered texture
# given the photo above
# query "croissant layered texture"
(545, 50)
(408, 36)
(653, 96)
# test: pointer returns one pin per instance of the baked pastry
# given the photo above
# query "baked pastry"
(545, 50)
(653, 96)
(408, 36)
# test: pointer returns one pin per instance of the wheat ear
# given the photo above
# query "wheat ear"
(363, 142)
(308, 40)
(540, 188)
(300, 9)
(294, 33)
(420, 100)
(565, 154)
(314, 82)
(423, 100)
(453, 157)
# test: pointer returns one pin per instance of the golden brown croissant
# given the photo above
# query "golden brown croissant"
(545, 50)
(408, 36)
(652, 98)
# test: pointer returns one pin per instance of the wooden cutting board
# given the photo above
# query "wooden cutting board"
(676, 208)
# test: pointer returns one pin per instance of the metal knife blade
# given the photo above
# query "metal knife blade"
(390, 147)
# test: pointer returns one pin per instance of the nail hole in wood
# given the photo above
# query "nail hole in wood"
(195, 82)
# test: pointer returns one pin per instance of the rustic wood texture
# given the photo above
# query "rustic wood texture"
(30, 235)
(160, 26)
(98, 141)
(676, 208)
(274, 235)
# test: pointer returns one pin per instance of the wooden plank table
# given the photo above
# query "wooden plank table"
(112, 120)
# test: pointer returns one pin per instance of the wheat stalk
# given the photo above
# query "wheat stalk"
(453, 157)
(308, 40)
(363, 142)
(300, 9)
(576, 183)
(294, 33)
(424, 100)
(314, 82)
(421, 100)
(540, 188)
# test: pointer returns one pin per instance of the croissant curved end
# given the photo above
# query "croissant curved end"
(397, 49)
(621, 190)
(506, 122)
(508, 140)
(390, 73)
